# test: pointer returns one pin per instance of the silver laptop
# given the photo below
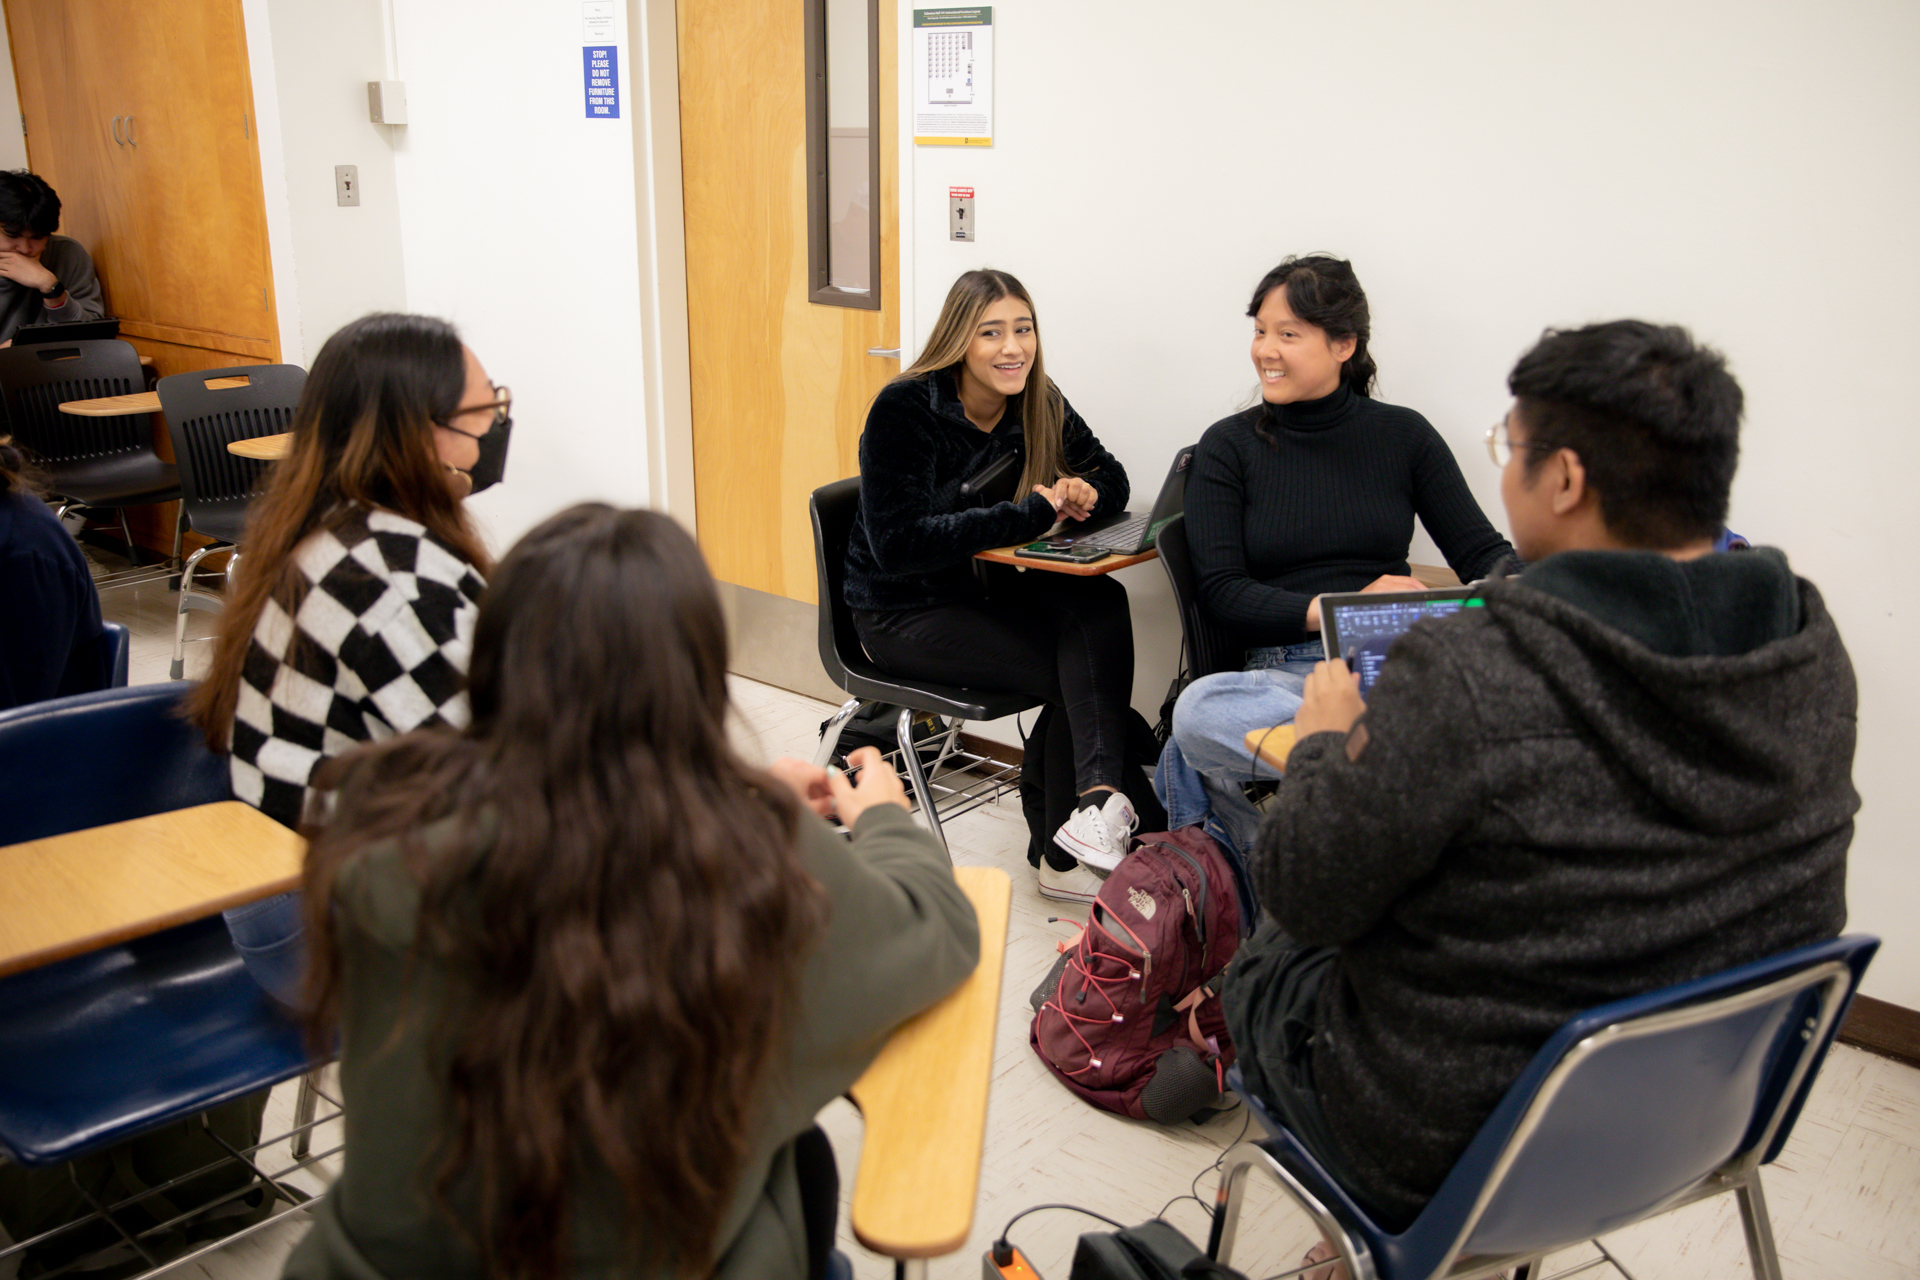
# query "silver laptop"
(1126, 533)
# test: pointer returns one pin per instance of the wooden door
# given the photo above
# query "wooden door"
(141, 116)
(780, 385)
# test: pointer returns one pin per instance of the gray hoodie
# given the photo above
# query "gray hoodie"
(1623, 772)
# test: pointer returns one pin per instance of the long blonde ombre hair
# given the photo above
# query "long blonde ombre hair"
(1043, 416)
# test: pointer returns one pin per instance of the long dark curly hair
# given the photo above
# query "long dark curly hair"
(622, 897)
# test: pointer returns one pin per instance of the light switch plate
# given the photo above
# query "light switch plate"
(960, 218)
(346, 184)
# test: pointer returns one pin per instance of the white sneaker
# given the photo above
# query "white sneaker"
(1098, 835)
(1078, 883)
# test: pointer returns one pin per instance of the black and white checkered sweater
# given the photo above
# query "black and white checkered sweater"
(383, 637)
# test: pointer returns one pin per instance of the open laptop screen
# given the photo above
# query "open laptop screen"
(1361, 626)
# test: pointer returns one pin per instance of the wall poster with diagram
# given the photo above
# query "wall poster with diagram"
(953, 77)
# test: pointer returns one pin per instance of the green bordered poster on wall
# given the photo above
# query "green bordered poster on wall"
(953, 77)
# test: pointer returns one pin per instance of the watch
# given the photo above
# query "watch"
(54, 292)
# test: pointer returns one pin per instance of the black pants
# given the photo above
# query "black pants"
(1268, 998)
(1065, 640)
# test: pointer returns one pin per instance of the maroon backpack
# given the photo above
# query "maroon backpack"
(1130, 1020)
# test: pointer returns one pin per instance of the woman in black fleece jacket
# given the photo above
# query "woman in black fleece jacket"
(978, 400)
(1313, 490)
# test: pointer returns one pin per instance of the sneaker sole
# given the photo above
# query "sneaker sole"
(1092, 855)
(1065, 895)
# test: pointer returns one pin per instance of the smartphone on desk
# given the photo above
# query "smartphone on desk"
(1062, 549)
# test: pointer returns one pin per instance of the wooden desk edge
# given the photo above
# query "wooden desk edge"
(153, 924)
(1004, 555)
(1273, 746)
(950, 1121)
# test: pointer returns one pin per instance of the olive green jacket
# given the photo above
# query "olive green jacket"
(900, 936)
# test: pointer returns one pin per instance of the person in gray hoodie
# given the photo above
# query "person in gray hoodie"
(1631, 767)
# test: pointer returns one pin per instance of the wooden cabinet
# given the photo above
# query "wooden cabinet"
(141, 116)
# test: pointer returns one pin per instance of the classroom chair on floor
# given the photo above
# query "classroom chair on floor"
(959, 780)
(133, 1036)
(105, 464)
(1630, 1110)
(207, 410)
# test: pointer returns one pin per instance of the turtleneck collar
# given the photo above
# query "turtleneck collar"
(1311, 415)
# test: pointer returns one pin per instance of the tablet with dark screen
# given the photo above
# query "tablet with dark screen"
(1361, 626)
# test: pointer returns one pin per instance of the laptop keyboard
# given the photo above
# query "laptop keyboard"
(1124, 537)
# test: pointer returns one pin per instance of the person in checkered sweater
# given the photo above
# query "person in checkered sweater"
(353, 619)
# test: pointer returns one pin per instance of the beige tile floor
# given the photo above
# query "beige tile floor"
(1845, 1195)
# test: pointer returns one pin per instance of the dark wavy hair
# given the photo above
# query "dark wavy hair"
(17, 472)
(633, 931)
(362, 437)
(1323, 290)
(1653, 415)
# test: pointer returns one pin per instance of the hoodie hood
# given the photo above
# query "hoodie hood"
(1718, 683)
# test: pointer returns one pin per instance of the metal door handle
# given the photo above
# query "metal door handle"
(116, 130)
(892, 353)
(130, 141)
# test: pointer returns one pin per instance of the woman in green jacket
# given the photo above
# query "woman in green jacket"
(593, 975)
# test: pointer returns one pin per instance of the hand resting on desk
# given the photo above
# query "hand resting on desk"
(1072, 497)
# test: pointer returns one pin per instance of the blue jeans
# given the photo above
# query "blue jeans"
(271, 939)
(1213, 715)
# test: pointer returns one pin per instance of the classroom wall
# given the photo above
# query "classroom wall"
(13, 142)
(331, 263)
(1745, 168)
(499, 205)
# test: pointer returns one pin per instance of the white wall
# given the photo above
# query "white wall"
(13, 142)
(1745, 168)
(331, 263)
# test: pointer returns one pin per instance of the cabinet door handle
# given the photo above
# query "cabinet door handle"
(890, 353)
(116, 131)
(130, 141)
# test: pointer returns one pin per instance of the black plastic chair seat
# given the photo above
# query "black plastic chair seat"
(943, 700)
(130, 479)
(112, 1043)
(222, 519)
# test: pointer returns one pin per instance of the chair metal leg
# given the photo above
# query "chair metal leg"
(830, 736)
(909, 1269)
(178, 670)
(126, 531)
(179, 540)
(304, 1105)
(1232, 1189)
(1753, 1216)
(922, 792)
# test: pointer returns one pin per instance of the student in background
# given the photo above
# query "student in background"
(594, 975)
(1315, 489)
(1631, 768)
(44, 278)
(977, 396)
(51, 644)
(354, 616)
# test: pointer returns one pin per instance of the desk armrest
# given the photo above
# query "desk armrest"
(924, 1101)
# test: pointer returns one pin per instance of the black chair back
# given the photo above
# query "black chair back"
(36, 380)
(203, 419)
(1208, 647)
(72, 763)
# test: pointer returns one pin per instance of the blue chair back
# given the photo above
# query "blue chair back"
(119, 642)
(71, 763)
(1631, 1107)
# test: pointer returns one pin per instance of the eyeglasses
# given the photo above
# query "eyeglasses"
(1500, 447)
(501, 404)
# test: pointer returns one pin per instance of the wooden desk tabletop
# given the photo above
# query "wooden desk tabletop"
(924, 1101)
(265, 448)
(1273, 746)
(138, 402)
(1004, 555)
(113, 406)
(75, 893)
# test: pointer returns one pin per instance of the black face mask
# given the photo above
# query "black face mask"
(492, 466)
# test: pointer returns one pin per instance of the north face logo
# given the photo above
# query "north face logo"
(1143, 902)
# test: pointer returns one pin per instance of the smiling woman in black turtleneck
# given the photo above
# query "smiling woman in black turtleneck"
(1313, 490)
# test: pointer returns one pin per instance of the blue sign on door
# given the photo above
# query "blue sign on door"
(602, 64)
